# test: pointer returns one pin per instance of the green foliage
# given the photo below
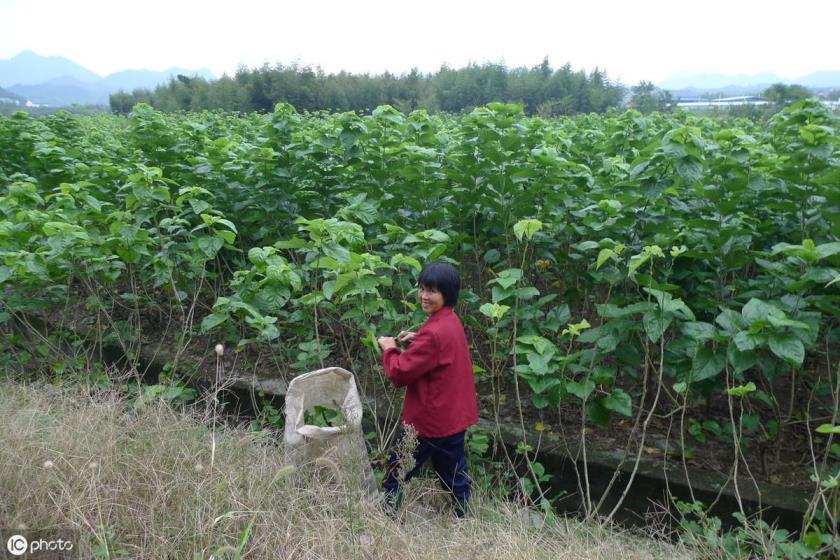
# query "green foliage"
(595, 251)
(647, 99)
(294, 215)
(174, 394)
(783, 94)
(541, 89)
(323, 417)
(750, 539)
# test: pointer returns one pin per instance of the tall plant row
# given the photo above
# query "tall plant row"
(619, 270)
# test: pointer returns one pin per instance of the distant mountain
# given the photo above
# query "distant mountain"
(718, 81)
(56, 81)
(9, 99)
(822, 79)
(7, 96)
(29, 68)
(693, 84)
(128, 80)
(62, 92)
(728, 91)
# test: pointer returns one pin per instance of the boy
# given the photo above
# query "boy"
(440, 399)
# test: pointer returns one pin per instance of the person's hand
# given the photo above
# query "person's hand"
(386, 342)
(405, 337)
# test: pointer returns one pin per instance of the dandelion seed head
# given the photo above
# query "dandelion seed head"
(220, 349)
(48, 464)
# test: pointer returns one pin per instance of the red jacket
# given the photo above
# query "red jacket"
(437, 373)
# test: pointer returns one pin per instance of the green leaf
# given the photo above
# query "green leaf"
(574, 329)
(813, 540)
(707, 363)
(198, 206)
(603, 256)
(494, 311)
(540, 344)
(508, 277)
(312, 299)
(336, 251)
(680, 309)
(638, 260)
(492, 256)
(619, 401)
(828, 249)
(327, 263)
(540, 400)
(433, 235)
(258, 255)
(586, 245)
(742, 390)
(730, 320)
(744, 341)
(400, 259)
(557, 317)
(603, 374)
(227, 236)
(543, 383)
(805, 251)
(611, 311)
(828, 429)
(328, 288)
(779, 320)
(689, 168)
(209, 245)
(526, 228)
(598, 413)
(788, 347)
(213, 320)
(697, 330)
(499, 294)
(668, 304)
(654, 251)
(527, 292)
(581, 390)
(92, 202)
(537, 363)
(740, 360)
(756, 310)
(656, 323)
(268, 333)
(294, 243)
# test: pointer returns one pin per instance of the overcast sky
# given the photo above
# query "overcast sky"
(632, 39)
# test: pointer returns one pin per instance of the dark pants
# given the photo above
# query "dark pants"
(449, 462)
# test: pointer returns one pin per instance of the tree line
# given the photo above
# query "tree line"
(542, 90)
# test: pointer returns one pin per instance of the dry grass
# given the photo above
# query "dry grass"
(142, 482)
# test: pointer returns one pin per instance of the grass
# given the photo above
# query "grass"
(139, 484)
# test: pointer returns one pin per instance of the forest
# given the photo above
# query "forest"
(541, 90)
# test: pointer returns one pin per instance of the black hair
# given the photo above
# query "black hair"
(444, 278)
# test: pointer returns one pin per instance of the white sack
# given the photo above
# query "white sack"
(343, 446)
